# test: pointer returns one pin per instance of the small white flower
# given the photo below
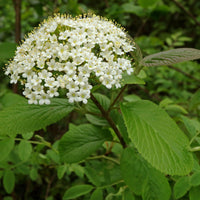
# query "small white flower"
(44, 99)
(73, 96)
(32, 98)
(53, 92)
(84, 95)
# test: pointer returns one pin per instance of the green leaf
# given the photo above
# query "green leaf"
(156, 186)
(132, 98)
(6, 145)
(7, 50)
(157, 137)
(195, 179)
(61, 171)
(28, 135)
(134, 171)
(195, 100)
(131, 79)
(194, 193)
(77, 191)
(143, 179)
(97, 195)
(192, 125)
(127, 195)
(9, 181)
(170, 57)
(81, 141)
(147, 3)
(96, 120)
(10, 99)
(102, 173)
(24, 150)
(34, 174)
(175, 109)
(23, 118)
(181, 187)
(77, 169)
(131, 8)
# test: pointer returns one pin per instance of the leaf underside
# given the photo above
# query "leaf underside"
(170, 57)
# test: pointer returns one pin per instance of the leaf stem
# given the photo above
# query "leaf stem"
(195, 149)
(194, 137)
(30, 141)
(104, 157)
(110, 121)
(115, 183)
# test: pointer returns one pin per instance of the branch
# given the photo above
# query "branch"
(187, 12)
(110, 121)
(184, 73)
(17, 6)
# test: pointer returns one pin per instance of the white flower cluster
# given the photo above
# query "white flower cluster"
(67, 52)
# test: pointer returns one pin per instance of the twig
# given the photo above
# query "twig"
(17, 5)
(110, 121)
(106, 3)
(49, 186)
(116, 99)
(141, 27)
(187, 12)
(184, 73)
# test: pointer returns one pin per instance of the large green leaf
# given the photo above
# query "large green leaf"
(157, 137)
(142, 178)
(77, 191)
(81, 141)
(170, 57)
(23, 118)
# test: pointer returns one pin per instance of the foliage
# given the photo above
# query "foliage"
(137, 143)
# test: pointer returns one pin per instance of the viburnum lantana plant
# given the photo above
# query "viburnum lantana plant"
(75, 55)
